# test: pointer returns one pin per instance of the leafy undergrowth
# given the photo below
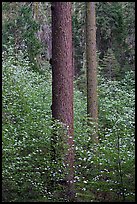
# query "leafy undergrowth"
(106, 172)
(103, 172)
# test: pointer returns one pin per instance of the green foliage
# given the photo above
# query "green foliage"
(103, 172)
(27, 133)
(26, 130)
(78, 26)
(115, 22)
(109, 18)
(114, 29)
(110, 68)
(20, 27)
(107, 169)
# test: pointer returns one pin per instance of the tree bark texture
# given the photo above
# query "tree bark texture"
(62, 76)
(92, 104)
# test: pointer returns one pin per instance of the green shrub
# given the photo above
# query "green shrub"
(103, 172)
(26, 129)
(108, 168)
(27, 133)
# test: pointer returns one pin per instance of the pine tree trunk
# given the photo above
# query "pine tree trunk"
(62, 80)
(92, 106)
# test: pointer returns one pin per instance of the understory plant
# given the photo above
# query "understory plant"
(107, 169)
(103, 172)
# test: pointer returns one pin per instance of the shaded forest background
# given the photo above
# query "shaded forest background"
(26, 107)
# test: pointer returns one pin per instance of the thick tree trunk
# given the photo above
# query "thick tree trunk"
(92, 106)
(62, 79)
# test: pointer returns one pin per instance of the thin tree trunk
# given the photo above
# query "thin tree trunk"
(62, 80)
(92, 106)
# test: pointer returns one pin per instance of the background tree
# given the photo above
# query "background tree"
(62, 80)
(115, 28)
(20, 26)
(115, 33)
(78, 20)
(92, 106)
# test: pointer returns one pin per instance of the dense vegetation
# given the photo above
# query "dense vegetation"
(27, 129)
(104, 171)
